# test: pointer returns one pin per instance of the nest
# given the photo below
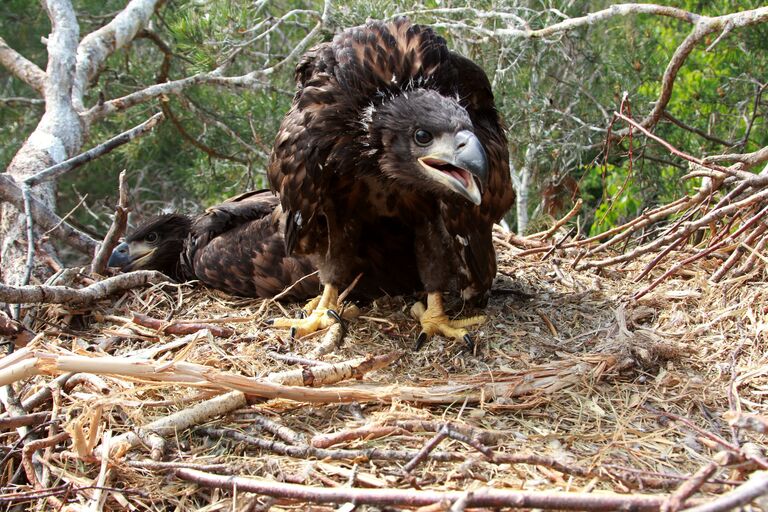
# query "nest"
(176, 397)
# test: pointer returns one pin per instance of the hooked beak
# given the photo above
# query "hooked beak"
(459, 162)
(126, 258)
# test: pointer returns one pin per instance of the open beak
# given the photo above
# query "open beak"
(459, 162)
(127, 257)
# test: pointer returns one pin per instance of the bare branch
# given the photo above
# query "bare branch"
(693, 129)
(97, 46)
(116, 230)
(23, 69)
(18, 100)
(748, 159)
(79, 296)
(10, 192)
(486, 497)
(98, 112)
(754, 488)
(57, 170)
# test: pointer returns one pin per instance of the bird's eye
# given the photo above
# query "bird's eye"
(422, 137)
(151, 237)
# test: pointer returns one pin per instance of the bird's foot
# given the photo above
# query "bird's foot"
(434, 320)
(319, 313)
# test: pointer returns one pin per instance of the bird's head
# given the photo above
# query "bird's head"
(155, 245)
(424, 139)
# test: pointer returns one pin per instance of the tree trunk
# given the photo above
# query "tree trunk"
(58, 135)
(61, 132)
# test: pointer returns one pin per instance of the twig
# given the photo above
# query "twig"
(26, 420)
(484, 497)
(181, 328)
(45, 218)
(755, 487)
(116, 230)
(318, 376)
(57, 170)
(25, 192)
(262, 423)
(425, 450)
(568, 216)
(688, 488)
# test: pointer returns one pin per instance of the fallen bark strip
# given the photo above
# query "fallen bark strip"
(330, 374)
(474, 389)
(485, 497)
(79, 296)
(180, 328)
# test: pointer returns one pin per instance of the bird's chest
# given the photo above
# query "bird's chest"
(376, 197)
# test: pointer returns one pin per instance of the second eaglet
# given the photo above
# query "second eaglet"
(392, 136)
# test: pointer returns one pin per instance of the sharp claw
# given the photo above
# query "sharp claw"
(302, 314)
(333, 314)
(293, 332)
(470, 343)
(420, 339)
(270, 321)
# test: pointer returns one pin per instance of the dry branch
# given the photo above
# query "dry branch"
(182, 327)
(79, 296)
(45, 218)
(178, 421)
(755, 487)
(53, 172)
(483, 497)
(116, 230)
(550, 378)
(25, 70)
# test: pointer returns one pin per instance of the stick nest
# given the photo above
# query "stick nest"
(573, 387)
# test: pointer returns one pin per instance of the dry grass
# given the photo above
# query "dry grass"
(687, 348)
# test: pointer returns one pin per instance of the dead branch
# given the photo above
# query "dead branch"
(755, 487)
(317, 376)
(486, 388)
(262, 423)
(560, 223)
(689, 488)
(53, 172)
(177, 421)
(25, 420)
(374, 431)
(79, 296)
(748, 159)
(25, 70)
(484, 497)
(45, 218)
(181, 328)
(116, 230)
(425, 450)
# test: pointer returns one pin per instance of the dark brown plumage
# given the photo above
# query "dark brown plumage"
(392, 133)
(236, 247)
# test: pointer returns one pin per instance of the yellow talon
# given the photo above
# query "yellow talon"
(434, 320)
(318, 316)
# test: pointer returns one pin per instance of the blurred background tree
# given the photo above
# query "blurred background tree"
(557, 95)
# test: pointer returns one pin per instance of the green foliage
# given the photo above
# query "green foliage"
(556, 95)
